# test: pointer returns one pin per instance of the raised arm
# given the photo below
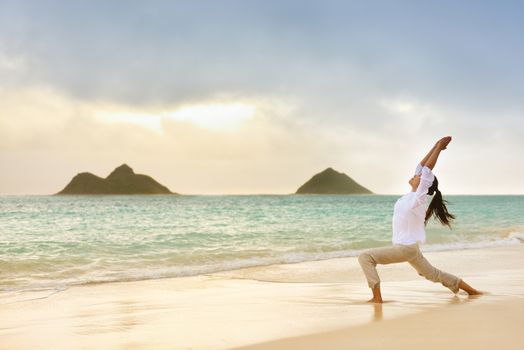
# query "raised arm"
(425, 160)
(431, 158)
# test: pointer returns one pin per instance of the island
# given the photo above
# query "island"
(122, 180)
(331, 181)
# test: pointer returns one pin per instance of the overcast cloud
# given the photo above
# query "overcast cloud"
(364, 87)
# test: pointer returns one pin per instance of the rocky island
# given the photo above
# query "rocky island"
(122, 180)
(331, 181)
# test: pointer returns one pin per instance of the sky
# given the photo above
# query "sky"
(255, 97)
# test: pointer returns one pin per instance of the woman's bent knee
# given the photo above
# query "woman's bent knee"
(365, 259)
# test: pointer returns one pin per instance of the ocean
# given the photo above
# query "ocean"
(53, 242)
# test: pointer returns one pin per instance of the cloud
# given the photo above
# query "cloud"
(273, 151)
(190, 157)
(362, 87)
(171, 52)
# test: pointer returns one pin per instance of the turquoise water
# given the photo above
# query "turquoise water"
(57, 241)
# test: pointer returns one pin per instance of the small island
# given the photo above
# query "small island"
(331, 181)
(122, 180)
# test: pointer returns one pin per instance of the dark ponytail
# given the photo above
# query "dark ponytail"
(438, 207)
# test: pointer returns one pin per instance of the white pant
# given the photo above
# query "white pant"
(402, 253)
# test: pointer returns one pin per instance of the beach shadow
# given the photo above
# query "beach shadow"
(378, 313)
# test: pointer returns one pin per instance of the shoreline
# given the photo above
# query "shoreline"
(251, 305)
(513, 239)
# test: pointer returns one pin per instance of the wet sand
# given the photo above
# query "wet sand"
(279, 307)
(468, 326)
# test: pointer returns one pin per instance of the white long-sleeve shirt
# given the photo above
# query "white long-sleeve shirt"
(410, 211)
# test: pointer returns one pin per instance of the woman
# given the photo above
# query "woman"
(409, 219)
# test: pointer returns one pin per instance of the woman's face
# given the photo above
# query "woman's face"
(415, 181)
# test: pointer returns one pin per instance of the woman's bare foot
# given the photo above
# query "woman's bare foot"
(469, 289)
(475, 292)
(377, 296)
(378, 301)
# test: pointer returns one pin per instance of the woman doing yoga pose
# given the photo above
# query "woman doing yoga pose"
(409, 219)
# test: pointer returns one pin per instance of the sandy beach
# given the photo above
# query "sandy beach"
(468, 326)
(307, 305)
(205, 175)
